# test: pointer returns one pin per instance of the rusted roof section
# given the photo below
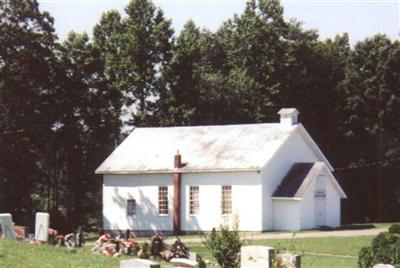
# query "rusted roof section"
(299, 178)
(203, 148)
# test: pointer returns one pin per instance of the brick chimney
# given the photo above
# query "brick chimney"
(177, 193)
(177, 160)
(289, 116)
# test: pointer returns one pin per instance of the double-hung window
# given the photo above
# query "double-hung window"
(226, 202)
(131, 207)
(163, 200)
(194, 200)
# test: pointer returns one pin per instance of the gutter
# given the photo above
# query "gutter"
(177, 171)
(286, 198)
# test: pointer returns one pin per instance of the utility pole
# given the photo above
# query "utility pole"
(380, 177)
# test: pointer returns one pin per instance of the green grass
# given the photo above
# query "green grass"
(347, 247)
(327, 245)
(16, 254)
(308, 261)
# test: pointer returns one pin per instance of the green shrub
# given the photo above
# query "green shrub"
(385, 248)
(394, 229)
(225, 245)
(144, 252)
(365, 257)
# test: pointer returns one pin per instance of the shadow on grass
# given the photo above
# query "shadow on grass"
(348, 227)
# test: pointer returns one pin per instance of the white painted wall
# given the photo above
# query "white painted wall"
(333, 199)
(307, 208)
(117, 189)
(295, 149)
(246, 200)
(286, 214)
(307, 205)
(251, 193)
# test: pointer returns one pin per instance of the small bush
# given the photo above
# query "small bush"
(385, 248)
(365, 257)
(225, 245)
(394, 229)
(144, 252)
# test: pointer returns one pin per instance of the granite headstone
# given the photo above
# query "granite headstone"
(256, 256)
(42, 226)
(7, 226)
(138, 263)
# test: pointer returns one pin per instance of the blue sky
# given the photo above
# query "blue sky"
(359, 18)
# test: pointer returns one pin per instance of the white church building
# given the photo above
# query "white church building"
(183, 179)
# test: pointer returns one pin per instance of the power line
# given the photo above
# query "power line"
(371, 164)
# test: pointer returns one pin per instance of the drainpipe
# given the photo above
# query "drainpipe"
(177, 194)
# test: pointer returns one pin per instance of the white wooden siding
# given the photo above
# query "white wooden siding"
(246, 201)
(295, 149)
(332, 205)
(117, 189)
(286, 215)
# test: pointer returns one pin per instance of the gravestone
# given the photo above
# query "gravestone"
(42, 226)
(256, 256)
(7, 226)
(138, 263)
(381, 265)
(288, 260)
(192, 256)
(182, 262)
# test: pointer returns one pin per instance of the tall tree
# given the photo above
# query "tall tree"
(88, 125)
(371, 111)
(28, 88)
(137, 49)
(372, 87)
(255, 47)
(181, 101)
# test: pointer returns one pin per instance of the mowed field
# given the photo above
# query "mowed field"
(330, 252)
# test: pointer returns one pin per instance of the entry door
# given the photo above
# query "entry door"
(320, 210)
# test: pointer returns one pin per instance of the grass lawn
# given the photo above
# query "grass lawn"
(16, 254)
(315, 251)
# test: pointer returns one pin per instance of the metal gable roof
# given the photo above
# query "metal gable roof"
(294, 179)
(203, 148)
(299, 178)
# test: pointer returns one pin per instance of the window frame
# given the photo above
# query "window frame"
(163, 207)
(320, 185)
(226, 200)
(131, 207)
(194, 200)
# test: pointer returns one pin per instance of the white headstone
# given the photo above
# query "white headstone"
(192, 256)
(138, 263)
(7, 226)
(256, 256)
(181, 262)
(42, 226)
(381, 265)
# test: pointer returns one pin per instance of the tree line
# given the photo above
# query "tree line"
(65, 104)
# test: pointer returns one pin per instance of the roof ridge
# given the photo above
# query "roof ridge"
(201, 126)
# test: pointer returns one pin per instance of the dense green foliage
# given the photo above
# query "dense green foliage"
(385, 248)
(224, 246)
(394, 229)
(62, 104)
(59, 118)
